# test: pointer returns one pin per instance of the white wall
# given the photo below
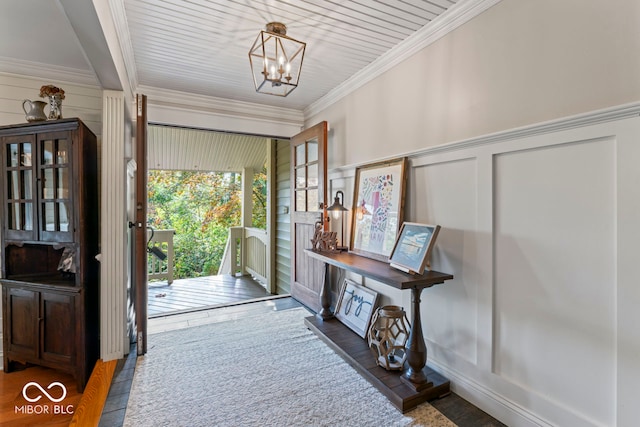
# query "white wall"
(520, 62)
(522, 130)
(81, 101)
(539, 230)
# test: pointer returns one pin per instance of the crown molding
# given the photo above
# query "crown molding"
(119, 17)
(47, 71)
(457, 15)
(221, 106)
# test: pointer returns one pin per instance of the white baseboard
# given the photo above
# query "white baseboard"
(496, 405)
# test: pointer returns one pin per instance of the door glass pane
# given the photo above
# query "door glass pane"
(47, 152)
(26, 184)
(64, 220)
(13, 184)
(63, 152)
(313, 204)
(19, 184)
(300, 157)
(312, 177)
(301, 180)
(28, 216)
(63, 183)
(301, 201)
(14, 216)
(47, 183)
(26, 154)
(20, 216)
(12, 155)
(312, 151)
(49, 216)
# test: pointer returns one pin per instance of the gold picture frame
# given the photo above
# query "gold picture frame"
(378, 208)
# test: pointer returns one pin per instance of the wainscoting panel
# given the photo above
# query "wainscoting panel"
(114, 342)
(554, 273)
(539, 229)
(446, 193)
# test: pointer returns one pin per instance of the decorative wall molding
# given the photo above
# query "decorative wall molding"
(113, 261)
(571, 148)
(460, 13)
(475, 393)
(199, 111)
(47, 71)
(120, 23)
(580, 120)
(221, 106)
(572, 122)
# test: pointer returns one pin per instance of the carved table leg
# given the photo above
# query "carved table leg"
(325, 295)
(416, 349)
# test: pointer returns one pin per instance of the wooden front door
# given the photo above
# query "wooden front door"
(140, 235)
(308, 197)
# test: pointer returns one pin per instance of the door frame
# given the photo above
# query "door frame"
(140, 234)
(308, 274)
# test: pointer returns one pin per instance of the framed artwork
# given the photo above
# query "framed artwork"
(355, 306)
(413, 247)
(378, 208)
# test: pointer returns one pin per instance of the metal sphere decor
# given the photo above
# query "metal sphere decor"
(388, 335)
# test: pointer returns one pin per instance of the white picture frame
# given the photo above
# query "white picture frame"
(355, 307)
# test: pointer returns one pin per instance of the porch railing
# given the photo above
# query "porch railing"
(246, 253)
(158, 269)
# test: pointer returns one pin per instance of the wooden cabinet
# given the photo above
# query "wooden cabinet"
(50, 224)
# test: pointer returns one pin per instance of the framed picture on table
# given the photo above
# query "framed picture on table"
(378, 208)
(355, 306)
(413, 247)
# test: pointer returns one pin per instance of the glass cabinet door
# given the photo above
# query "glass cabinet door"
(20, 219)
(55, 187)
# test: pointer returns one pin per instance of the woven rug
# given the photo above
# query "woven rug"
(261, 370)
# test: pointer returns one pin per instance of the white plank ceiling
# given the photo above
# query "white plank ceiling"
(171, 148)
(201, 46)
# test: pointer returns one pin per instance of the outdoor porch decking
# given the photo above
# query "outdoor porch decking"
(201, 292)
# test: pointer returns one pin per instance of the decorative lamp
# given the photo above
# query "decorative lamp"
(276, 60)
(388, 335)
(338, 212)
(361, 211)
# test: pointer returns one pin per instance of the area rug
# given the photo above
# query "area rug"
(263, 370)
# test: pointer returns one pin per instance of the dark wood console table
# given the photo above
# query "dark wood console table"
(417, 383)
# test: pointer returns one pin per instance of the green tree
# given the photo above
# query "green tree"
(259, 197)
(200, 207)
